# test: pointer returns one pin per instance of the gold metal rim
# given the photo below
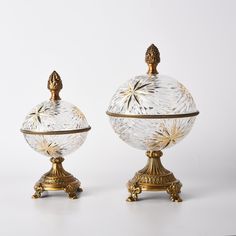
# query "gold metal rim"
(170, 116)
(60, 132)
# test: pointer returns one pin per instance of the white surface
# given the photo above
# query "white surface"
(101, 210)
(96, 46)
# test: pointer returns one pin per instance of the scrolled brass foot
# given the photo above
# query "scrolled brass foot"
(73, 195)
(80, 190)
(174, 191)
(38, 191)
(72, 190)
(134, 190)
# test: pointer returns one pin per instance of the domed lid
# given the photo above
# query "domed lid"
(55, 116)
(152, 95)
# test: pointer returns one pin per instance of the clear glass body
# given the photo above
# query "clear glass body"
(56, 145)
(152, 134)
(155, 95)
(55, 116)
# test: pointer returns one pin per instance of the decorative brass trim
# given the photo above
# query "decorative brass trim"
(55, 85)
(169, 116)
(57, 179)
(152, 58)
(60, 132)
(154, 177)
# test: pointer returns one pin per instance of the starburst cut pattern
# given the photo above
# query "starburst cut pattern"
(50, 149)
(77, 113)
(166, 136)
(38, 113)
(185, 92)
(134, 92)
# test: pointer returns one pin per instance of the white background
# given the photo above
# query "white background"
(96, 46)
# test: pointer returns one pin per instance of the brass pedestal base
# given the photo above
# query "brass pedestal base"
(154, 177)
(57, 179)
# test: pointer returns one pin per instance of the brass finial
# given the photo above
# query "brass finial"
(152, 58)
(55, 85)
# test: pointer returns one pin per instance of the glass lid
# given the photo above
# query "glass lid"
(154, 95)
(55, 116)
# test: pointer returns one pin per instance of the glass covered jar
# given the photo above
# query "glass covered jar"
(56, 128)
(152, 112)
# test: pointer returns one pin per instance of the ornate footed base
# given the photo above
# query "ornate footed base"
(57, 179)
(154, 177)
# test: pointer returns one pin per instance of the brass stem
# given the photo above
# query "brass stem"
(57, 163)
(57, 168)
(154, 165)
